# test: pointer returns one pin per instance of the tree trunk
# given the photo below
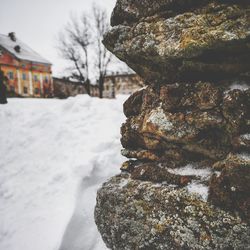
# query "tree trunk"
(113, 88)
(101, 82)
(87, 86)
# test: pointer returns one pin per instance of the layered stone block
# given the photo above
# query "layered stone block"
(187, 134)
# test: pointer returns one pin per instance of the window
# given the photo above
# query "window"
(12, 89)
(35, 78)
(24, 77)
(10, 75)
(37, 91)
(46, 79)
(25, 90)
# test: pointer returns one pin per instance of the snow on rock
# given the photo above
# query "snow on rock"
(237, 86)
(241, 86)
(245, 137)
(158, 118)
(195, 187)
(190, 169)
(198, 189)
(54, 156)
(244, 156)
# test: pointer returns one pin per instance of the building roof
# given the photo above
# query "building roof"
(26, 53)
(66, 80)
(120, 75)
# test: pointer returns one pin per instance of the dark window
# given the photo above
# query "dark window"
(46, 79)
(11, 75)
(25, 90)
(37, 91)
(12, 89)
(24, 76)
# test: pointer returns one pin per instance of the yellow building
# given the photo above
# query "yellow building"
(27, 73)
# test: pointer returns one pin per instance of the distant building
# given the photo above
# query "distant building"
(94, 90)
(27, 73)
(121, 84)
(64, 87)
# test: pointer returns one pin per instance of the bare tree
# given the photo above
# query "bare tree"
(74, 43)
(82, 38)
(103, 56)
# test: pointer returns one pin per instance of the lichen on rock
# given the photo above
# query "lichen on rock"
(194, 45)
(186, 183)
(143, 215)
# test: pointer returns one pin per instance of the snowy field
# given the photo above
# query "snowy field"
(54, 154)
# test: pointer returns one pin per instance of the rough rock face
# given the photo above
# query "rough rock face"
(194, 45)
(129, 11)
(187, 134)
(200, 119)
(142, 215)
(230, 189)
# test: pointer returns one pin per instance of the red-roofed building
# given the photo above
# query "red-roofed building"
(28, 73)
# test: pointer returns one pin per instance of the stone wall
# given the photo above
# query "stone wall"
(187, 134)
(64, 88)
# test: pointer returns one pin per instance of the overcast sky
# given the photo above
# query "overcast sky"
(38, 22)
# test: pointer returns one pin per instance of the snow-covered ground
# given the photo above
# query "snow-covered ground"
(54, 154)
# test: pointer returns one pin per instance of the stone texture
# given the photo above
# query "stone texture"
(200, 119)
(187, 132)
(133, 214)
(130, 11)
(210, 44)
(127, 12)
(230, 189)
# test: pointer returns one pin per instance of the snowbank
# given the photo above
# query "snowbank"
(54, 156)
